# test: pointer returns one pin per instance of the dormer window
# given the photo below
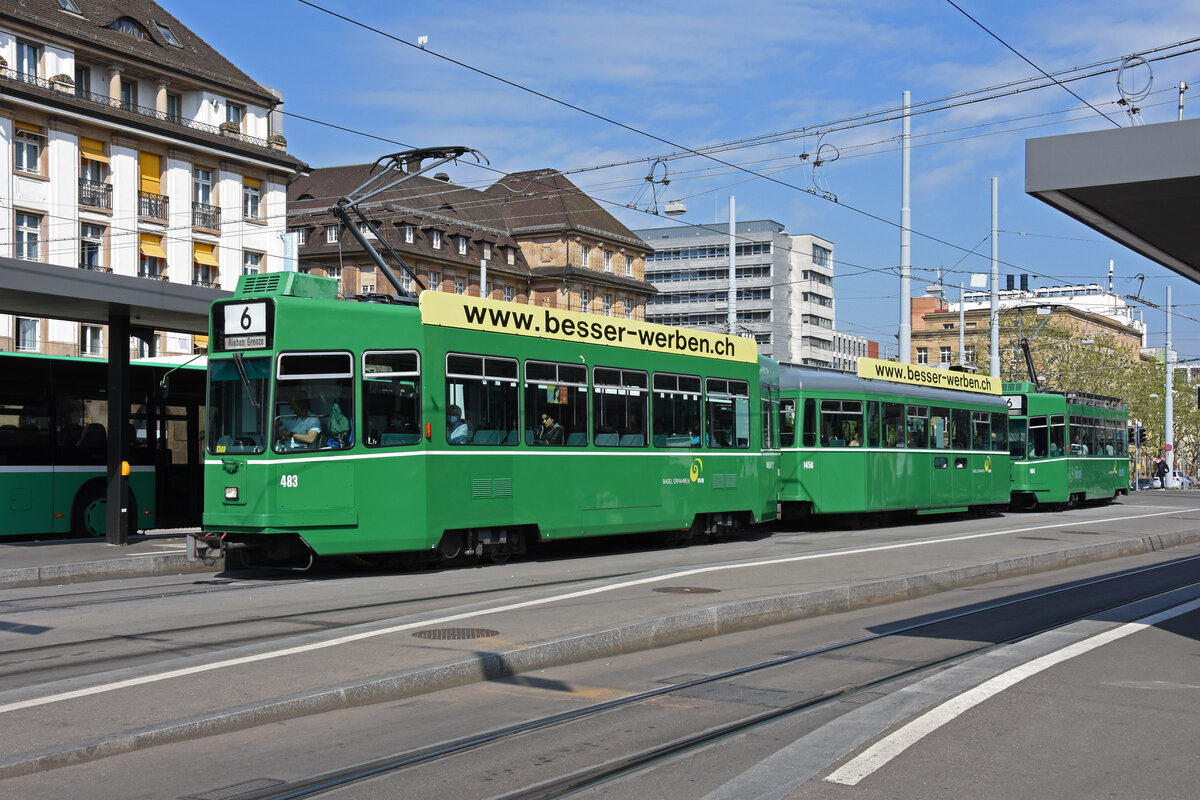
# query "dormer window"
(69, 5)
(167, 34)
(130, 28)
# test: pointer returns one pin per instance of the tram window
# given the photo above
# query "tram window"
(237, 402)
(1058, 435)
(676, 410)
(313, 393)
(787, 423)
(893, 425)
(391, 392)
(483, 391)
(1018, 431)
(939, 428)
(1000, 430)
(810, 422)
(918, 427)
(619, 401)
(1039, 438)
(770, 402)
(873, 423)
(981, 438)
(560, 392)
(960, 428)
(727, 413)
(841, 423)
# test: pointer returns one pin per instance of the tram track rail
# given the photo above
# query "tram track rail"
(607, 770)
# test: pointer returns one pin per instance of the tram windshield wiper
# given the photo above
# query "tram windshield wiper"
(241, 368)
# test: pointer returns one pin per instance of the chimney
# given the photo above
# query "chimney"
(1024, 282)
(1008, 283)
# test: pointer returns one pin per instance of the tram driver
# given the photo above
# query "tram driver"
(299, 428)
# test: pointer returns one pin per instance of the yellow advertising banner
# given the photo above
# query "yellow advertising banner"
(918, 375)
(497, 316)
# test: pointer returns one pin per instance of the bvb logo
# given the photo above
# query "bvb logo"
(697, 468)
(987, 464)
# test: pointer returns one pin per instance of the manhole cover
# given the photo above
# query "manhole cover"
(456, 633)
(686, 590)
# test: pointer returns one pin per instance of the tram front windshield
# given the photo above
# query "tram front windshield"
(237, 405)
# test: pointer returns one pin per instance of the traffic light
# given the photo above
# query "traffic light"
(1141, 435)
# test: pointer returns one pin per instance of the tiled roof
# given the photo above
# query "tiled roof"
(194, 57)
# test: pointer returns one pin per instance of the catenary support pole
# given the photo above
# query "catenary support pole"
(905, 344)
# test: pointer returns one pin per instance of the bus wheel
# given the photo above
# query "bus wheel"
(89, 516)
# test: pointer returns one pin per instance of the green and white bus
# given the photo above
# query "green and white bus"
(54, 438)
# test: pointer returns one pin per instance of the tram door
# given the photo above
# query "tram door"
(942, 470)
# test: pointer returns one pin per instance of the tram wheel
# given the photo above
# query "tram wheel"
(451, 545)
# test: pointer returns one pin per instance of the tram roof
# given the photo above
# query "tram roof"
(819, 380)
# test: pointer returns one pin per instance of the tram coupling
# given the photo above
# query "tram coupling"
(208, 547)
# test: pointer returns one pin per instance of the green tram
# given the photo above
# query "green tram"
(54, 444)
(1066, 448)
(853, 445)
(463, 426)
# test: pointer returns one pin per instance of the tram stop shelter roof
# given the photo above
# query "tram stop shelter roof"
(1138, 185)
(81, 295)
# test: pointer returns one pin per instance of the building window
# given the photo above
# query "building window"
(83, 81)
(512, 256)
(69, 5)
(406, 282)
(91, 340)
(91, 246)
(205, 268)
(608, 305)
(435, 280)
(969, 354)
(333, 272)
(922, 355)
(27, 243)
(437, 240)
(607, 261)
(487, 252)
(460, 286)
(462, 245)
(175, 107)
(151, 256)
(167, 34)
(252, 199)
(251, 263)
(128, 27)
(508, 293)
(944, 355)
(822, 256)
(331, 234)
(27, 156)
(129, 99)
(585, 255)
(301, 235)
(585, 300)
(29, 60)
(628, 310)
(28, 333)
(235, 113)
(628, 265)
(409, 234)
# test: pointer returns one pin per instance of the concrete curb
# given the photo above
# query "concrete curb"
(132, 566)
(628, 637)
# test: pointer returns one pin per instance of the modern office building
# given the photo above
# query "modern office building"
(132, 147)
(784, 286)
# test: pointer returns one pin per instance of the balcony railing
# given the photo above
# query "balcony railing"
(96, 195)
(152, 205)
(206, 216)
(204, 283)
(95, 267)
(154, 276)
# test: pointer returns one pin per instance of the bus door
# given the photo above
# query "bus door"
(26, 462)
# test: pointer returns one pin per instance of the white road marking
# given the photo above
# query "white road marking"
(883, 751)
(356, 637)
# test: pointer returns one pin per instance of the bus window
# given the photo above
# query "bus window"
(727, 417)
(981, 438)
(482, 392)
(676, 410)
(893, 425)
(314, 402)
(939, 428)
(1058, 435)
(873, 423)
(787, 423)
(918, 427)
(391, 398)
(841, 423)
(237, 403)
(1039, 438)
(557, 391)
(619, 403)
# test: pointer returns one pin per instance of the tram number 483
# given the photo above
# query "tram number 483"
(289, 481)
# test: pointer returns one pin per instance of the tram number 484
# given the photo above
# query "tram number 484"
(289, 481)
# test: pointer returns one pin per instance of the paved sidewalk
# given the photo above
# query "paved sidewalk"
(74, 560)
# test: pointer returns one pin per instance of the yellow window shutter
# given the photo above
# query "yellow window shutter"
(92, 149)
(150, 174)
(151, 245)
(203, 253)
(253, 183)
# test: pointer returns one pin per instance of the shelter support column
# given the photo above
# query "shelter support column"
(117, 516)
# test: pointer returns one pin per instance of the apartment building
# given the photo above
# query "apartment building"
(784, 286)
(130, 146)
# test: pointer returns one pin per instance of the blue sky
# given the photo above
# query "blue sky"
(706, 73)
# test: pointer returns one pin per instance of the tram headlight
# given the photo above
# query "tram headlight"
(231, 493)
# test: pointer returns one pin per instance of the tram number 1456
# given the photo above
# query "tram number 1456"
(289, 481)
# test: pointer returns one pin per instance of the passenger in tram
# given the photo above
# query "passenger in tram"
(299, 428)
(551, 433)
(457, 430)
